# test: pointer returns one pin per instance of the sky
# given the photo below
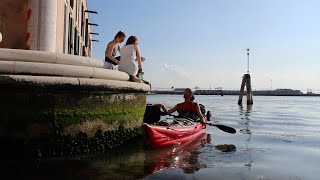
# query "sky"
(203, 43)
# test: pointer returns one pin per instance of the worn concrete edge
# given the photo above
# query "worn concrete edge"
(49, 57)
(83, 83)
(31, 68)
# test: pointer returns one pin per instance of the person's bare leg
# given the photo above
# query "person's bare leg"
(136, 79)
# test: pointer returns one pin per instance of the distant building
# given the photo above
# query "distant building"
(288, 91)
(61, 26)
(277, 92)
(179, 89)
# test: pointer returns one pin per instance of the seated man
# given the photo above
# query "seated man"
(187, 107)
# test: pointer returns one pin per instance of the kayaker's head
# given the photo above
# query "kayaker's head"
(188, 94)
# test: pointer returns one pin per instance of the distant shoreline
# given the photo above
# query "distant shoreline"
(235, 93)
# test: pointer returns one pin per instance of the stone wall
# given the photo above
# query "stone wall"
(36, 113)
(13, 23)
(56, 116)
(36, 110)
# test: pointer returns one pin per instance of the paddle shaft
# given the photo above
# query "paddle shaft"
(224, 128)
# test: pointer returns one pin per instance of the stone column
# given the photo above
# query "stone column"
(42, 25)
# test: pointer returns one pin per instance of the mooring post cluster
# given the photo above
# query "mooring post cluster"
(246, 81)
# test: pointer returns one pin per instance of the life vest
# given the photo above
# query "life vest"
(187, 108)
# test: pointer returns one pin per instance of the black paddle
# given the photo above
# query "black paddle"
(224, 128)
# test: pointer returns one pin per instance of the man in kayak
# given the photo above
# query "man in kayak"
(186, 108)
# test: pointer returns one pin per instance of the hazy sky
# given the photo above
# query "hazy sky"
(203, 43)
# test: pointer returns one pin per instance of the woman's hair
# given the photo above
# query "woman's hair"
(120, 34)
(132, 40)
(191, 94)
(189, 91)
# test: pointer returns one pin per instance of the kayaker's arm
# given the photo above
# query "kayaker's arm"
(200, 115)
(168, 111)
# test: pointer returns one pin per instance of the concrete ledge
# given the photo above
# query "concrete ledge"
(49, 57)
(45, 95)
(31, 68)
(7, 81)
(116, 85)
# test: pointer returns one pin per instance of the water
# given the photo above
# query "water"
(277, 138)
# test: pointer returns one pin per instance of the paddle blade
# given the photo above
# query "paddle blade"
(224, 128)
(209, 115)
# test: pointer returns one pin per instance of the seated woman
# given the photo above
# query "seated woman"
(112, 49)
(130, 61)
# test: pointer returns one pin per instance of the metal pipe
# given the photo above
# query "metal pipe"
(248, 60)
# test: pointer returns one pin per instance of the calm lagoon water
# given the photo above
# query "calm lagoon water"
(277, 138)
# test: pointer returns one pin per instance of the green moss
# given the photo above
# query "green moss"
(64, 109)
(226, 147)
(73, 115)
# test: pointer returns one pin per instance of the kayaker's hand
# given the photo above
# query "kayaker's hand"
(158, 105)
(161, 106)
(202, 121)
(139, 71)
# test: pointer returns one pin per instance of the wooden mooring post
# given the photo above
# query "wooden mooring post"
(246, 81)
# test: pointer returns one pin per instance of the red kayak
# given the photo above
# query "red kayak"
(157, 136)
(167, 132)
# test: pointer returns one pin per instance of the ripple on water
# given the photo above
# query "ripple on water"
(273, 137)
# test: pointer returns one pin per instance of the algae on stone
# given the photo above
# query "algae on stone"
(226, 147)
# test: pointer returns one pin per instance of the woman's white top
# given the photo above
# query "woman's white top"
(128, 61)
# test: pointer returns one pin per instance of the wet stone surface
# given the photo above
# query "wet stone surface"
(226, 147)
(59, 145)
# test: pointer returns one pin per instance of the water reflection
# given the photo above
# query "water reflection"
(183, 156)
(125, 162)
(132, 161)
(245, 115)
